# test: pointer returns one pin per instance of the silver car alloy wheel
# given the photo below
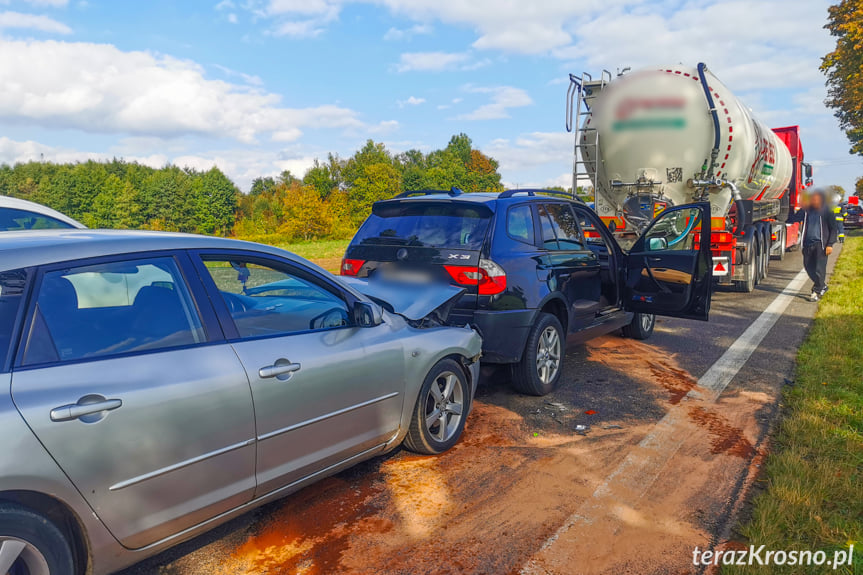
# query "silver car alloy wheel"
(19, 556)
(548, 355)
(444, 406)
(647, 320)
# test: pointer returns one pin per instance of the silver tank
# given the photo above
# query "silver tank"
(655, 135)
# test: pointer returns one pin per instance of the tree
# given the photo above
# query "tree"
(858, 187)
(844, 69)
(379, 181)
(307, 216)
(262, 185)
(214, 198)
(482, 174)
(320, 178)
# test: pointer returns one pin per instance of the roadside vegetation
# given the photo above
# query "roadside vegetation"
(328, 202)
(814, 477)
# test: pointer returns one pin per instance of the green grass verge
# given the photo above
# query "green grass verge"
(814, 476)
(317, 250)
(326, 253)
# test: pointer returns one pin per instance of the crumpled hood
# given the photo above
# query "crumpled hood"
(414, 301)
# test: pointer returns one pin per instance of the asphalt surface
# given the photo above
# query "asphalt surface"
(615, 391)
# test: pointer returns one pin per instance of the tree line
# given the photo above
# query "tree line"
(330, 200)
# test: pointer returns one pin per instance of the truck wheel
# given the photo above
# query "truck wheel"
(756, 255)
(32, 545)
(783, 237)
(748, 284)
(538, 372)
(765, 257)
(641, 326)
(440, 411)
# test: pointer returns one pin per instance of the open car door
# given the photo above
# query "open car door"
(669, 270)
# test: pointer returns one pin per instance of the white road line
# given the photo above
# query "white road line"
(641, 467)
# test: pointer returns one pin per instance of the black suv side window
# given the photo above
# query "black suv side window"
(519, 223)
(564, 227)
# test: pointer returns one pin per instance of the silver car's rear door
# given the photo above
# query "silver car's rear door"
(324, 391)
(119, 379)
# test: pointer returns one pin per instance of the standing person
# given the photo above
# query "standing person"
(840, 213)
(819, 235)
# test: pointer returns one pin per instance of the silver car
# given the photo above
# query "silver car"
(16, 214)
(156, 385)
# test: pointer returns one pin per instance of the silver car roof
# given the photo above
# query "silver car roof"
(17, 204)
(31, 248)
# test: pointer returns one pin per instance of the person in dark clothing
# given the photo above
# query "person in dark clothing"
(819, 234)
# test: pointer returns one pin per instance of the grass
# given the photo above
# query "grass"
(317, 250)
(326, 253)
(814, 477)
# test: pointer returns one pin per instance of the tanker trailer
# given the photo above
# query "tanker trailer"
(657, 138)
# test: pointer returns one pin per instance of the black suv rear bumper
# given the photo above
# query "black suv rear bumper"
(504, 333)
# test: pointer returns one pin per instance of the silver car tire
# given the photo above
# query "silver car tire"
(441, 409)
(32, 545)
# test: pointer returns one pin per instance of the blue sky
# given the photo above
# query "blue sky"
(258, 86)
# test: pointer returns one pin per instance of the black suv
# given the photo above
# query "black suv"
(540, 269)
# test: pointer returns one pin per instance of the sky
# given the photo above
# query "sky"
(256, 87)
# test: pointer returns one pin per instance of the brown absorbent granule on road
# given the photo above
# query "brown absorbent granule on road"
(482, 507)
(724, 437)
(642, 362)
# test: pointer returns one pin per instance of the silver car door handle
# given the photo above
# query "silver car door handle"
(75, 410)
(278, 369)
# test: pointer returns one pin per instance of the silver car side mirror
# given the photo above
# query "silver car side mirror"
(367, 314)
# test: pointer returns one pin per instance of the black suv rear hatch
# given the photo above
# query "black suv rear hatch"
(422, 241)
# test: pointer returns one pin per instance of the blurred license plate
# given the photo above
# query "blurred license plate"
(406, 276)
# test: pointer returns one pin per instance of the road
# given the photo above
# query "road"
(643, 453)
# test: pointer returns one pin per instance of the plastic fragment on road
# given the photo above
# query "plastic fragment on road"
(590, 412)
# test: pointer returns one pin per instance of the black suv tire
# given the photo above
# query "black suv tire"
(44, 544)
(641, 326)
(546, 332)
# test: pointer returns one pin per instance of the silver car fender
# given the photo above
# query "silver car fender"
(425, 347)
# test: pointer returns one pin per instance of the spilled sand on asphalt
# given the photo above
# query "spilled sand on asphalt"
(629, 530)
(487, 505)
(481, 507)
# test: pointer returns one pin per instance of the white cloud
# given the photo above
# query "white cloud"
(299, 29)
(32, 22)
(785, 52)
(384, 127)
(412, 101)
(395, 34)
(532, 150)
(430, 61)
(300, 18)
(98, 88)
(12, 152)
(502, 99)
(232, 18)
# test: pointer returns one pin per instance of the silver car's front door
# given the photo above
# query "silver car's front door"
(152, 423)
(324, 391)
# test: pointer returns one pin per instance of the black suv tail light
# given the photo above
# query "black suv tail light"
(489, 277)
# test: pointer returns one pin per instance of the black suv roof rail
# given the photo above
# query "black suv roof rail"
(533, 192)
(452, 192)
